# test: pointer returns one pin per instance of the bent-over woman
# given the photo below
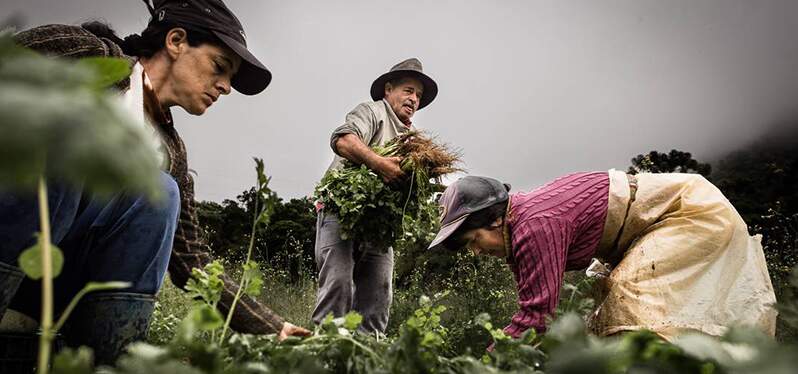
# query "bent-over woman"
(681, 255)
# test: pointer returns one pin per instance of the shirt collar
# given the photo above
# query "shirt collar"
(407, 124)
(152, 106)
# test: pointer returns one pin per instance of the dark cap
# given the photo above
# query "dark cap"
(212, 15)
(465, 196)
(407, 68)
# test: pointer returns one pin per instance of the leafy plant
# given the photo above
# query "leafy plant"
(370, 210)
(205, 286)
(251, 281)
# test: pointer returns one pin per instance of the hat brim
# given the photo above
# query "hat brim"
(252, 77)
(447, 230)
(430, 87)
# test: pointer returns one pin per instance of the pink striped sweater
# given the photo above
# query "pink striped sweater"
(555, 228)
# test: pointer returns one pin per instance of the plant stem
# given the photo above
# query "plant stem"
(243, 278)
(72, 304)
(404, 208)
(354, 342)
(90, 287)
(47, 280)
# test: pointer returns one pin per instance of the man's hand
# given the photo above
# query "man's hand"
(291, 330)
(350, 147)
(390, 169)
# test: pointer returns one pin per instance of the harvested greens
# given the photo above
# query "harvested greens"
(373, 211)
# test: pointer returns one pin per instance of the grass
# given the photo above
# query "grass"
(294, 302)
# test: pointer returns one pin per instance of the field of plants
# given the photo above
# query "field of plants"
(439, 324)
(447, 313)
(426, 342)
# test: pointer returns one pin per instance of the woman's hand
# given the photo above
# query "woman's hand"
(290, 329)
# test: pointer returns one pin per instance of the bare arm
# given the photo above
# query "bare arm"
(350, 147)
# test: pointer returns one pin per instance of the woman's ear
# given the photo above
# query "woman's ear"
(176, 41)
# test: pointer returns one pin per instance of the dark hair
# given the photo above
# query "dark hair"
(151, 40)
(479, 219)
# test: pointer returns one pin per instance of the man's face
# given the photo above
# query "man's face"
(404, 96)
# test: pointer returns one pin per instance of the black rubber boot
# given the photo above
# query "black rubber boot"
(107, 322)
(10, 279)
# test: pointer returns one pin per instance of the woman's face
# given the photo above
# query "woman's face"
(198, 75)
(487, 241)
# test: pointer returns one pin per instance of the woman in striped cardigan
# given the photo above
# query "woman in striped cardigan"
(681, 255)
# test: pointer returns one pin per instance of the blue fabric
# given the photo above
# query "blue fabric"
(126, 238)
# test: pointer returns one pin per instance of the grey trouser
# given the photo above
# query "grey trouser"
(352, 276)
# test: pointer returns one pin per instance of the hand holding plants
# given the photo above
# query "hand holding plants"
(390, 169)
(383, 213)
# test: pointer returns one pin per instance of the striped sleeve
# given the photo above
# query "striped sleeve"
(540, 252)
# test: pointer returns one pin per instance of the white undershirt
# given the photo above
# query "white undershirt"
(133, 100)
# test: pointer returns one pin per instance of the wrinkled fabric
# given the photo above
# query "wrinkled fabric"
(352, 277)
(115, 319)
(127, 238)
(554, 228)
(688, 261)
(10, 279)
(373, 122)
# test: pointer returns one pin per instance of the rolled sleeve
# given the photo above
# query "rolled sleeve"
(361, 121)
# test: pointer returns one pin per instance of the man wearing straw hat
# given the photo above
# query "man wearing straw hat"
(356, 275)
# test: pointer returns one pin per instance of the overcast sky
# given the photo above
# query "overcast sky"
(529, 90)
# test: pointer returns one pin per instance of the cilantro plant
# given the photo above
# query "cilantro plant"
(251, 279)
(370, 210)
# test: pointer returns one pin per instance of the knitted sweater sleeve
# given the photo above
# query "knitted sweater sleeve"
(68, 41)
(539, 253)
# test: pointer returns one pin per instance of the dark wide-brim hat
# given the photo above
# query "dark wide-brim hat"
(214, 17)
(463, 197)
(408, 68)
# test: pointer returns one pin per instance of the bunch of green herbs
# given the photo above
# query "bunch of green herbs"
(371, 210)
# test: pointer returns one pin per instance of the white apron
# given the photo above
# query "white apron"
(688, 262)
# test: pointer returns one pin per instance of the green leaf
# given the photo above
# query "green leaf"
(109, 70)
(102, 286)
(704, 347)
(30, 261)
(205, 318)
(74, 361)
(52, 114)
(147, 351)
(253, 278)
(207, 283)
(352, 321)
(260, 170)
